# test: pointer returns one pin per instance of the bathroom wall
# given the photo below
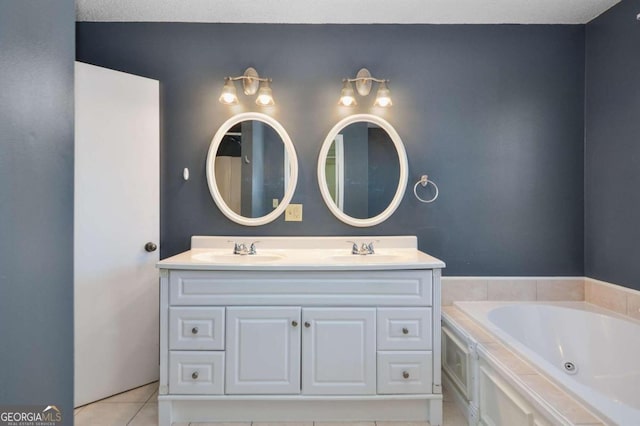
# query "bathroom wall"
(612, 160)
(37, 49)
(493, 113)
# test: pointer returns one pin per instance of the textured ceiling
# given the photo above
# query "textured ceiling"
(346, 11)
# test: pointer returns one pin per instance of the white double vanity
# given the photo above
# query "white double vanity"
(300, 330)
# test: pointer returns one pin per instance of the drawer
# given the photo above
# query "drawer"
(196, 328)
(405, 372)
(196, 372)
(311, 288)
(404, 328)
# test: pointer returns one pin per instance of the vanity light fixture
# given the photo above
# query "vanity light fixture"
(250, 83)
(363, 82)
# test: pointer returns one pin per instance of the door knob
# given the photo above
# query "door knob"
(294, 323)
(194, 330)
(405, 330)
(306, 324)
(150, 247)
(405, 374)
(194, 375)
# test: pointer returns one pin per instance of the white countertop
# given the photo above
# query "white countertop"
(302, 253)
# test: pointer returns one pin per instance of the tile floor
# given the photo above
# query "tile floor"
(139, 407)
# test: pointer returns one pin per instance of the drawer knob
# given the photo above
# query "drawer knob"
(194, 330)
(306, 324)
(405, 330)
(194, 375)
(405, 374)
(294, 323)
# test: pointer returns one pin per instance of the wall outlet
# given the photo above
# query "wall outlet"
(293, 213)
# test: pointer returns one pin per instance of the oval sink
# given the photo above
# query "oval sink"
(235, 258)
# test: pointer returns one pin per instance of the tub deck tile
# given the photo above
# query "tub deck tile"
(509, 359)
(557, 398)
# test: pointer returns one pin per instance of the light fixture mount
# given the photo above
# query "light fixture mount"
(363, 82)
(251, 81)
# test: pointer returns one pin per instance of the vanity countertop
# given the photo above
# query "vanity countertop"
(302, 253)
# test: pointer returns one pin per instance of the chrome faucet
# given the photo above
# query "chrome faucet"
(363, 250)
(243, 250)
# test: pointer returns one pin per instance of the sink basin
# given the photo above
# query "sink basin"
(369, 258)
(235, 258)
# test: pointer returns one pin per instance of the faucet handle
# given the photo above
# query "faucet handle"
(369, 248)
(354, 247)
(252, 248)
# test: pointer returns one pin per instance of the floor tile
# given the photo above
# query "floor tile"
(452, 415)
(147, 416)
(221, 424)
(282, 424)
(140, 394)
(402, 423)
(344, 423)
(107, 413)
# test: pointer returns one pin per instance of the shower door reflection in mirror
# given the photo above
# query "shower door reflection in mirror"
(362, 170)
(250, 167)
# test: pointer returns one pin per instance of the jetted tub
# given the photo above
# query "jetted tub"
(590, 352)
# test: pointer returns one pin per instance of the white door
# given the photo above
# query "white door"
(339, 351)
(116, 215)
(263, 350)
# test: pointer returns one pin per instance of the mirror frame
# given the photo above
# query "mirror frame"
(293, 169)
(402, 180)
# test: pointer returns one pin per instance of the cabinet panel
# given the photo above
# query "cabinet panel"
(499, 404)
(373, 288)
(196, 328)
(405, 372)
(456, 362)
(263, 350)
(196, 372)
(404, 328)
(338, 349)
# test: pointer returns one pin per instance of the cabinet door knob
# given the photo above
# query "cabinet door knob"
(306, 324)
(294, 323)
(150, 247)
(194, 330)
(405, 330)
(194, 375)
(405, 374)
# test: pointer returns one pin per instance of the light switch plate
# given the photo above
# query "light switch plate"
(293, 213)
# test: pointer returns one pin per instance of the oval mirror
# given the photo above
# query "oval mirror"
(362, 170)
(252, 169)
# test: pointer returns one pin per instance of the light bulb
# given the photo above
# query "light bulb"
(383, 96)
(228, 95)
(265, 95)
(347, 96)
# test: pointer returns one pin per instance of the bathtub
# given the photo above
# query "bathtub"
(593, 354)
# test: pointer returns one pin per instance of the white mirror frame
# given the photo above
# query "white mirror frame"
(293, 169)
(402, 181)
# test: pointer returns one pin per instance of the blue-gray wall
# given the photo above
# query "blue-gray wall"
(612, 160)
(494, 114)
(37, 51)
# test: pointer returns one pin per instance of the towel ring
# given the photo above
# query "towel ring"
(424, 180)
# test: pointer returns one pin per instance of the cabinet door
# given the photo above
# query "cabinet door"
(339, 351)
(263, 350)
